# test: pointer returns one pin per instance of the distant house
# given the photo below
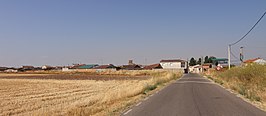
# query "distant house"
(106, 67)
(207, 66)
(3, 69)
(11, 70)
(76, 66)
(256, 60)
(198, 68)
(176, 64)
(195, 69)
(58, 67)
(79, 67)
(46, 67)
(153, 67)
(65, 69)
(38, 68)
(223, 62)
(130, 62)
(131, 67)
(88, 66)
(26, 68)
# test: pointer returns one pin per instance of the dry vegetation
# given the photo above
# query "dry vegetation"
(77, 97)
(249, 81)
(17, 74)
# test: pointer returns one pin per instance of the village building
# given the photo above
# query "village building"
(87, 66)
(27, 68)
(47, 67)
(195, 69)
(58, 67)
(255, 60)
(176, 64)
(131, 67)
(110, 67)
(3, 69)
(76, 66)
(130, 62)
(207, 66)
(153, 67)
(11, 70)
(65, 69)
(222, 62)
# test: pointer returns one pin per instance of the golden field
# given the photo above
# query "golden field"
(77, 97)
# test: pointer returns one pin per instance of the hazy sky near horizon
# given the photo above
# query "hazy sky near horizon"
(62, 32)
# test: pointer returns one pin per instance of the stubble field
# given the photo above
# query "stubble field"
(76, 94)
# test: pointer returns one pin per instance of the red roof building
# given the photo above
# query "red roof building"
(131, 67)
(251, 60)
(153, 66)
(255, 60)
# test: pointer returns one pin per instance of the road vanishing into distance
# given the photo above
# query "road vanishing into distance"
(193, 95)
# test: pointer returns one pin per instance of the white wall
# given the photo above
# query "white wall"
(172, 65)
(260, 61)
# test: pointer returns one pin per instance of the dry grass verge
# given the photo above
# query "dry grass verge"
(76, 97)
(249, 81)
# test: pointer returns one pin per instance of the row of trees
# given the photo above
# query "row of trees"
(207, 59)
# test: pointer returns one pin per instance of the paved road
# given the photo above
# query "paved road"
(193, 95)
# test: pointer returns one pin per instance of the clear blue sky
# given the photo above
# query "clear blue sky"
(61, 32)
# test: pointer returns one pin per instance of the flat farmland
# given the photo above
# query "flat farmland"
(65, 94)
(73, 77)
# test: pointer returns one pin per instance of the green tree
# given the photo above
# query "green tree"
(206, 59)
(192, 62)
(199, 61)
(211, 59)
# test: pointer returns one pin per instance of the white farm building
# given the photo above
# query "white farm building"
(174, 64)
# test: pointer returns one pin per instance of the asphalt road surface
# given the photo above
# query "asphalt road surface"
(193, 95)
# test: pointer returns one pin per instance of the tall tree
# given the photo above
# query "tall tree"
(192, 62)
(206, 59)
(199, 61)
(211, 58)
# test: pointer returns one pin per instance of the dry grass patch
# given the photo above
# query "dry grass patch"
(249, 81)
(76, 97)
(19, 74)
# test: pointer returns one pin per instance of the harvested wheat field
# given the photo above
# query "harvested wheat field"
(40, 96)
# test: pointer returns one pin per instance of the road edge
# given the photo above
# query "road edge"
(151, 93)
(256, 104)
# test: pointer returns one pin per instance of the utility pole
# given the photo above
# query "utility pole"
(229, 57)
(202, 64)
(229, 47)
(241, 54)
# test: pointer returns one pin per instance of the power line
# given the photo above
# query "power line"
(249, 30)
(232, 53)
(229, 47)
(235, 56)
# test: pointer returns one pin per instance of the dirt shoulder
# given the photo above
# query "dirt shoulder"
(250, 91)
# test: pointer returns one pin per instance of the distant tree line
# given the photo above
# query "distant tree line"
(207, 59)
